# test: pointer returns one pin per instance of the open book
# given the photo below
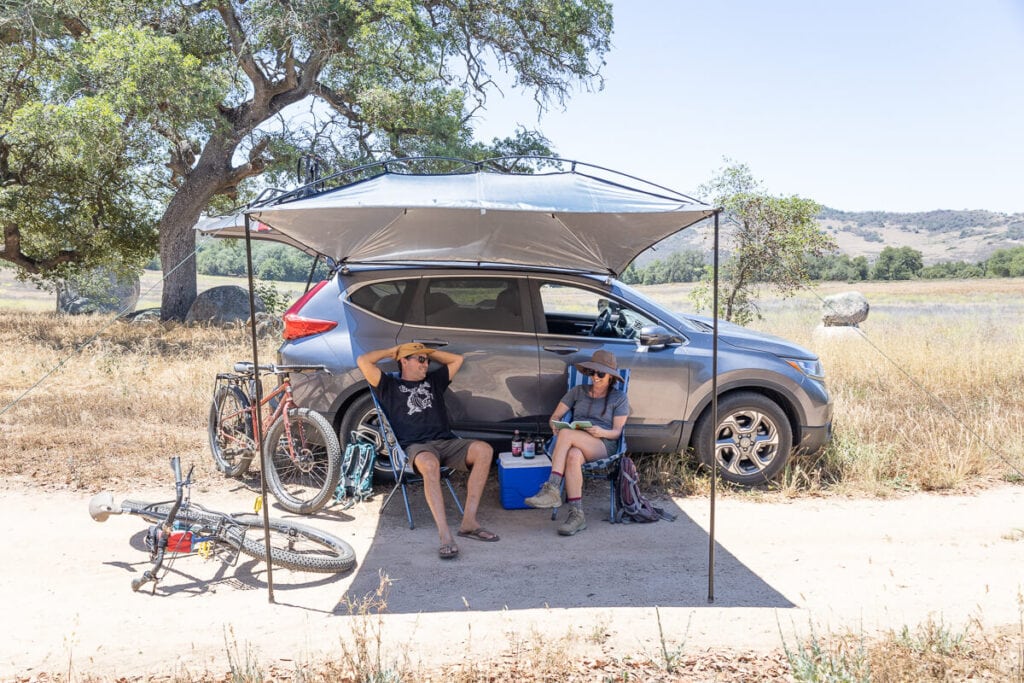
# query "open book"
(576, 424)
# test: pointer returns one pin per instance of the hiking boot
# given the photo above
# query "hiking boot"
(547, 497)
(574, 523)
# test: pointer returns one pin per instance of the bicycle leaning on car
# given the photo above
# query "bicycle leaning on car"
(301, 452)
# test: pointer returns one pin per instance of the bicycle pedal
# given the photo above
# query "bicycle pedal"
(257, 504)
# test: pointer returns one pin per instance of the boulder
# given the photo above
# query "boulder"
(98, 291)
(222, 305)
(844, 310)
(146, 315)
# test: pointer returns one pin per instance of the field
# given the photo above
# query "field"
(928, 395)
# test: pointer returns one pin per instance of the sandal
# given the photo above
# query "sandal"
(480, 534)
(448, 551)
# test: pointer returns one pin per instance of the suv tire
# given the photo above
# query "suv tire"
(361, 417)
(754, 438)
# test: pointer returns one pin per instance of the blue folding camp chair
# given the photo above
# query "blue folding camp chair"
(605, 467)
(403, 470)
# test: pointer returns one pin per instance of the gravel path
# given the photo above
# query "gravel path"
(781, 568)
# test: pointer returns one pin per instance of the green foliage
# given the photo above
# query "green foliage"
(838, 268)
(124, 117)
(770, 240)
(680, 266)
(951, 270)
(1006, 263)
(74, 190)
(271, 261)
(897, 263)
(274, 301)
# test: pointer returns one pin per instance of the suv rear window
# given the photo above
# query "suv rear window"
(382, 298)
(473, 303)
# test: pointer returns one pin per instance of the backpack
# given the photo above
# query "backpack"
(632, 506)
(356, 483)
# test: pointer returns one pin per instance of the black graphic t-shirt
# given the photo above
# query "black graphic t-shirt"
(416, 409)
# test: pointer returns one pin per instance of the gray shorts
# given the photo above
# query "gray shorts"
(450, 453)
(611, 446)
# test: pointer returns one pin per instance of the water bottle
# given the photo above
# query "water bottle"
(529, 448)
(517, 444)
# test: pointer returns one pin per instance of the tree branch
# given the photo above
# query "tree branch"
(12, 254)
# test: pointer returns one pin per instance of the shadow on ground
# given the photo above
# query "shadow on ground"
(607, 565)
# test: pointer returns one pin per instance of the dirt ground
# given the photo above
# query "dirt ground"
(780, 570)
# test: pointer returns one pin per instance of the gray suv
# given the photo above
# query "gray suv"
(512, 262)
(520, 327)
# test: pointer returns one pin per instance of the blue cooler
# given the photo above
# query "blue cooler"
(519, 478)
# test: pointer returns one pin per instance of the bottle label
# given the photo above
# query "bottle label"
(528, 449)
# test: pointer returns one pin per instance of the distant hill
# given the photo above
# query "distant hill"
(939, 235)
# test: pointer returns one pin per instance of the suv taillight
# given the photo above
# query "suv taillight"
(297, 326)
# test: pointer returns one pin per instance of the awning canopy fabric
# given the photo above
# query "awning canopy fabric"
(566, 220)
(234, 226)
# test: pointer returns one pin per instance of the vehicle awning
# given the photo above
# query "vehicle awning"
(234, 226)
(569, 220)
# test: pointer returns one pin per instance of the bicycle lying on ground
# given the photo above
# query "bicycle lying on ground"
(301, 453)
(183, 527)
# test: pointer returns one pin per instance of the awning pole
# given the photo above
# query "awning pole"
(258, 427)
(714, 419)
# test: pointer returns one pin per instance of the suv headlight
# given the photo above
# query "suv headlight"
(811, 368)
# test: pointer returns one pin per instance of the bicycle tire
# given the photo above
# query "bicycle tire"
(226, 435)
(302, 472)
(302, 547)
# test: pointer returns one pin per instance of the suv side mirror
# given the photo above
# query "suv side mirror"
(656, 337)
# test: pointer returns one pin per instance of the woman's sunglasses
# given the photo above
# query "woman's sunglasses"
(593, 373)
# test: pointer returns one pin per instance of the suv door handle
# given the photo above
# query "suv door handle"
(432, 342)
(562, 350)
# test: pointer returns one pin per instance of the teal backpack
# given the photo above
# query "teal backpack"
(356, 483)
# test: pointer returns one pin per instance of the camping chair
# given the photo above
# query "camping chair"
(605, 467)
(401, 467)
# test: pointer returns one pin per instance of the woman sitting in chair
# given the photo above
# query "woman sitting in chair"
(606, 408)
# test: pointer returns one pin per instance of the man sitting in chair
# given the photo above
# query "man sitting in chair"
(414, 404)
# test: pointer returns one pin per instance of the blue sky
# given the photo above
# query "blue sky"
(902, 105)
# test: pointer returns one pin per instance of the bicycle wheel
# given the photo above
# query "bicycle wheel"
(302, 461)
(292, 545)
(230, 431)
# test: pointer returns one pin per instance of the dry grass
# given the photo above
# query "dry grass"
(927, 395)
(113, 401)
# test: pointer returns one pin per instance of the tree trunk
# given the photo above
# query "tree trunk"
(177, 227)
(177, 255)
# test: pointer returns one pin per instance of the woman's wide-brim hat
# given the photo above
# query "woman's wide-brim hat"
(601, 361)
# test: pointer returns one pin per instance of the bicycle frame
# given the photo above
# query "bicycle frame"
(171, 536)
(248, 385)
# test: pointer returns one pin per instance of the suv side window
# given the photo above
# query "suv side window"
(473, 303)
(382, 298)
(584, 313)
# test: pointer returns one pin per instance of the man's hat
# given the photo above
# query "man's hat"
(412, 349)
